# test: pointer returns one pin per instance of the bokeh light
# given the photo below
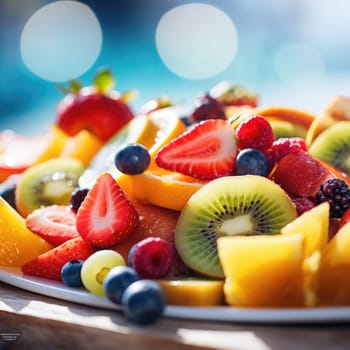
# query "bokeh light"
(61, 41)
(196, 41)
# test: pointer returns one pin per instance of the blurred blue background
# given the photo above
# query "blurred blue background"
(291, 52)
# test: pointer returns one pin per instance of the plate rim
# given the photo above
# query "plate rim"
(55, 289)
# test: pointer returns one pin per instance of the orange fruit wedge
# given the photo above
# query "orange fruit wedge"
(83, 146)
(152, 131)
(138, 130)
(296, 121)
(293, 115)
(168, 125)
(54, 142)
(338, 109)
(160, 187)
(18, 244)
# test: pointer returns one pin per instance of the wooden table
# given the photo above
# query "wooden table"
(33, 322)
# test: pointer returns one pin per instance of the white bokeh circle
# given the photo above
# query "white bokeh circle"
(61, 41)
(196, 41)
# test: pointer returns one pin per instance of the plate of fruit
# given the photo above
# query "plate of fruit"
(233, 212)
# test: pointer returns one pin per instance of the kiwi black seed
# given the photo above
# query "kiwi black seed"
(229, 206)
(47, 183)
(333, 146)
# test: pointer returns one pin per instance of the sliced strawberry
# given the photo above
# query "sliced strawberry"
(54, 223)
(48, 265)
(106, 216)
(206, 151)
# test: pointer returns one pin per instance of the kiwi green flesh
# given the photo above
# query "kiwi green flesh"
(48, 183)
(333, 146)
(283, 128)
(229, 206)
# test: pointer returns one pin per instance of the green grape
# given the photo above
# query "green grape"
(96, 267)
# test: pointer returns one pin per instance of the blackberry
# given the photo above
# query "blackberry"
(337, 193)
(77, 197)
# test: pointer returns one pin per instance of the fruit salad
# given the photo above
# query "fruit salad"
(233, 204)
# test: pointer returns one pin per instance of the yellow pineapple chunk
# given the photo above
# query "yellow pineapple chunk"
(263, 271)
(313, 225)
(17, 243)
(193, 291)
(334, 283)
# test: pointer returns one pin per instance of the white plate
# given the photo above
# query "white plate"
(14, 277)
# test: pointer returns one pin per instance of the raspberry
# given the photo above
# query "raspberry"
(337, 193)
(206, 107)
(282, 147)
(255, 132)
(151, 257)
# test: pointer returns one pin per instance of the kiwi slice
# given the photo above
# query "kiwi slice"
(229, 206)
(47, 183)
(333, 146)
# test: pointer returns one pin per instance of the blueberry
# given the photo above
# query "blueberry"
(251, 161)
(143, 302)
(70, 273)
(117, 280)
(132, 159)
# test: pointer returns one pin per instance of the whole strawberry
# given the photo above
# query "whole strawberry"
(96, 108)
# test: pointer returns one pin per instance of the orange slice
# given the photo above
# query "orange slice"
(55, 142)
(169, 125)
(138, 130)
(293, 115)
(152, 131)
(163, 188)
(83, 146)
(297, 117)
(18, 245)
(338, 109)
